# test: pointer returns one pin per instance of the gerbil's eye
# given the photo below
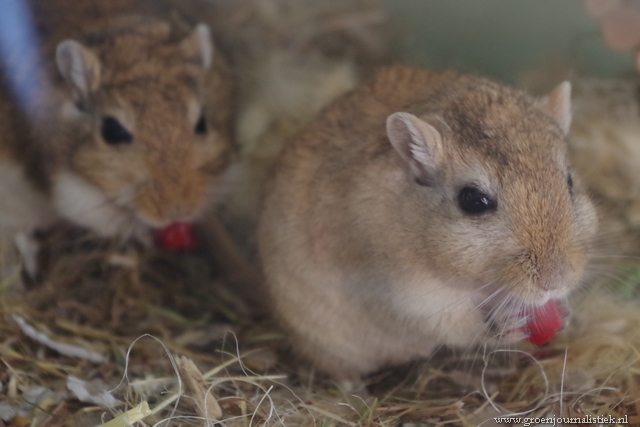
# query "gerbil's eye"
(474, 201)
(81, 106)
(114, 133)
(201, 125)
(570, 183)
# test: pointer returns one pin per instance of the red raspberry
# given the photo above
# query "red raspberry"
(544, 322)
(178, 236)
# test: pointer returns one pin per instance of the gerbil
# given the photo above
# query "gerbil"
(127, 125)
(422, 209)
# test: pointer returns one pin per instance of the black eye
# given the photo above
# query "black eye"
(201, 125)
(474, 201)
(570, 183)
(81, 106)
(114, 133)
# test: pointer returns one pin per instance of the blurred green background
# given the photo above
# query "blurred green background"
(504, 38)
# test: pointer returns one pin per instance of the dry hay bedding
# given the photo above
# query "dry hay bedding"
(129, 314)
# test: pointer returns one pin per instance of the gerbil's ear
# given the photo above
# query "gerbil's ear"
(198, 46)
(558, 103)
(419, 143)
(79, 66)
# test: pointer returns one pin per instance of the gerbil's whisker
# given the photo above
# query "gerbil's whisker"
(611, 280)
(490, 297)
(609, 256)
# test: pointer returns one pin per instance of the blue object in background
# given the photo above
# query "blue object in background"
(19, 52)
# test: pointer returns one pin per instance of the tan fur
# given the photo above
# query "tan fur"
(151, 77)
(366, 268)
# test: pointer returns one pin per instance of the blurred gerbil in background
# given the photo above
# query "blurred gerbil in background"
(120, 121)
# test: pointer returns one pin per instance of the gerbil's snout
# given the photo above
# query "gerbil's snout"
(176, 185)
(160, 206)
(551, 231)
(553, 273)
(176, 193)
(559, 275)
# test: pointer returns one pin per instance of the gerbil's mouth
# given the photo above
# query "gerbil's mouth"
(543, 322)
(177, 236)
(535, 324)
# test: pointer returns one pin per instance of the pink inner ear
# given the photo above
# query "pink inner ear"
(418, 142)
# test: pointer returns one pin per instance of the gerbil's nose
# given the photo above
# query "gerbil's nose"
(167, 213)
(556, 273)
(551, 271)
(179, 212)
(163, 201)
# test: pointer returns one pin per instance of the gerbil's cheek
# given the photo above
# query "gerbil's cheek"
(587, 217)
(83, 204)
(213, 155)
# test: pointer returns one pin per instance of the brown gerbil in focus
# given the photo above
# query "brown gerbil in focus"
(422, 209)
